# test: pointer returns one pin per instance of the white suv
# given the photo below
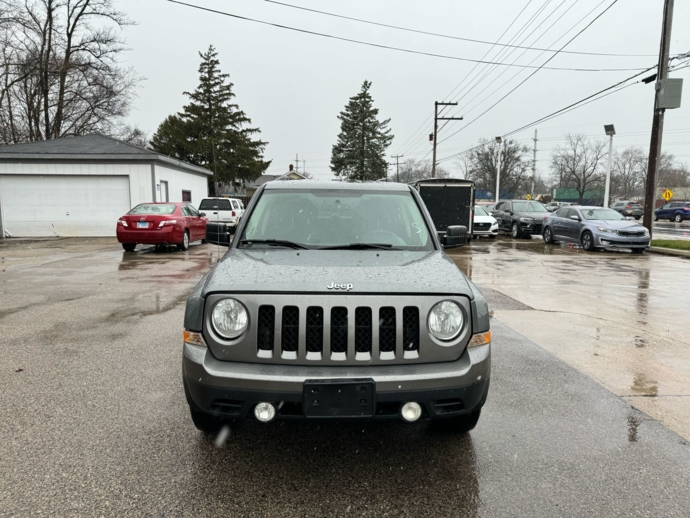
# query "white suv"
(225, 210)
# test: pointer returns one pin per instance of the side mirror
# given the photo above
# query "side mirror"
(218, 234)
(202, 214)
(456, 236)
(575, 217)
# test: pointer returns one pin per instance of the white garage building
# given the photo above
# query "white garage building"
(80, 186)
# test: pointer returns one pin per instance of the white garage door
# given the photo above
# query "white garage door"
(36, 205)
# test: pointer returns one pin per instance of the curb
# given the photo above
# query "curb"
(669, 251)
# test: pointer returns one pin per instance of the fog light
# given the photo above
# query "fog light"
(265, 412)
(410, 412)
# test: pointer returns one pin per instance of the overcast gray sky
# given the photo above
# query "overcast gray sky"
(293, 85)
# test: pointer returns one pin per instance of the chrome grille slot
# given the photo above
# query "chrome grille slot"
(339, 330)
(265, 328)
(387, 330)
(363, 330)
(314, 332)
(290, 329)
(411, 329)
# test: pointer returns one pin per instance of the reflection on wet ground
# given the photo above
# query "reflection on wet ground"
(620, 318)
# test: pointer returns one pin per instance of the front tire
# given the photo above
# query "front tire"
(638, 250)
(548, 236)
(129, 247)
(656, 218)
(185, 242)
(587, 241)
(457, 425)
(678, 218)
(515, 231)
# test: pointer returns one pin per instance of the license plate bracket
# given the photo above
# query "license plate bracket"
(335, 398)
(142, 224)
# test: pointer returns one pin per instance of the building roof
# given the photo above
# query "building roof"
(272, 177)
(89, 147)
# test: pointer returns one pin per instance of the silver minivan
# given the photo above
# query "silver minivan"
(222, 210)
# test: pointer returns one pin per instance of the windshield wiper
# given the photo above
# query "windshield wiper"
(360, 246)
(275, 242)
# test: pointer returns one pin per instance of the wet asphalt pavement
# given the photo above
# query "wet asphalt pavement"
(670, 230)
(95, 422)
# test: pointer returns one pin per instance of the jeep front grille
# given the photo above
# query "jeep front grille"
(336, 330)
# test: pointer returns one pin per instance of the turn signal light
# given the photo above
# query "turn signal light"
(190, 337)
(480, 339)
(122, 222)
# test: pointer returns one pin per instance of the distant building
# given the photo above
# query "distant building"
(251, 187)
(590, 196)
(80, 186)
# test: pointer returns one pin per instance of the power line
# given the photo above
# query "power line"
(416, 132)
(417, 31)
(533, 73)
(491, 69)
(388, 47)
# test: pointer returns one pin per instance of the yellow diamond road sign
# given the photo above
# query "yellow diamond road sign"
(528, 197)
(667, 195)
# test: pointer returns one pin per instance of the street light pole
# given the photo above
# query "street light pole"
(498, 169)
(610, 131)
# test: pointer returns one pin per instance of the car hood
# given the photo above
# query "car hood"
(616, 225)
(534, 215)
(485, 219)
(311, 271)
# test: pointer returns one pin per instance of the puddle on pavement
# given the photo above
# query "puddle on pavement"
(634, 422)
(645, 387)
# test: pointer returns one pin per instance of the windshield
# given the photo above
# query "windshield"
(602, 214)
(215, 204)
(326, 218)
(479, 211)
(153, 208)
(528, 206)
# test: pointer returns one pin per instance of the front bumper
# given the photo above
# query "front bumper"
(616, 241)
(492, 231)
(533, 229)
(231, 390)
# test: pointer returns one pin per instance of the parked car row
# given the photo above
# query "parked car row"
(174, 223)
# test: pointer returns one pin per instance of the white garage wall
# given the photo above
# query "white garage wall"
(179, 181)
(54, 205)
(140, 182)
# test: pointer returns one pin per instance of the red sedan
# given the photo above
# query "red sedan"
(161, 224)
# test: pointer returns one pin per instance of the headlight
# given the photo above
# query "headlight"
(229, 318)
(445, 320)
(646, 232)
(527, 220)
(606, 230)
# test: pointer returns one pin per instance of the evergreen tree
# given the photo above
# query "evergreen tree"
(360, 153)
(211, 131)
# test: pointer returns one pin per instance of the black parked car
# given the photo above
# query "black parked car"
(520, 217)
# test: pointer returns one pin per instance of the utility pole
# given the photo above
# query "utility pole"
(499, 141)
(534, 165)
(397, 166)
(304, 166)
(658, 120)
(297, 163)
(436, 119)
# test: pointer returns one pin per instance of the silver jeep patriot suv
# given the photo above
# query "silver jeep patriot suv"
(336, 301)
